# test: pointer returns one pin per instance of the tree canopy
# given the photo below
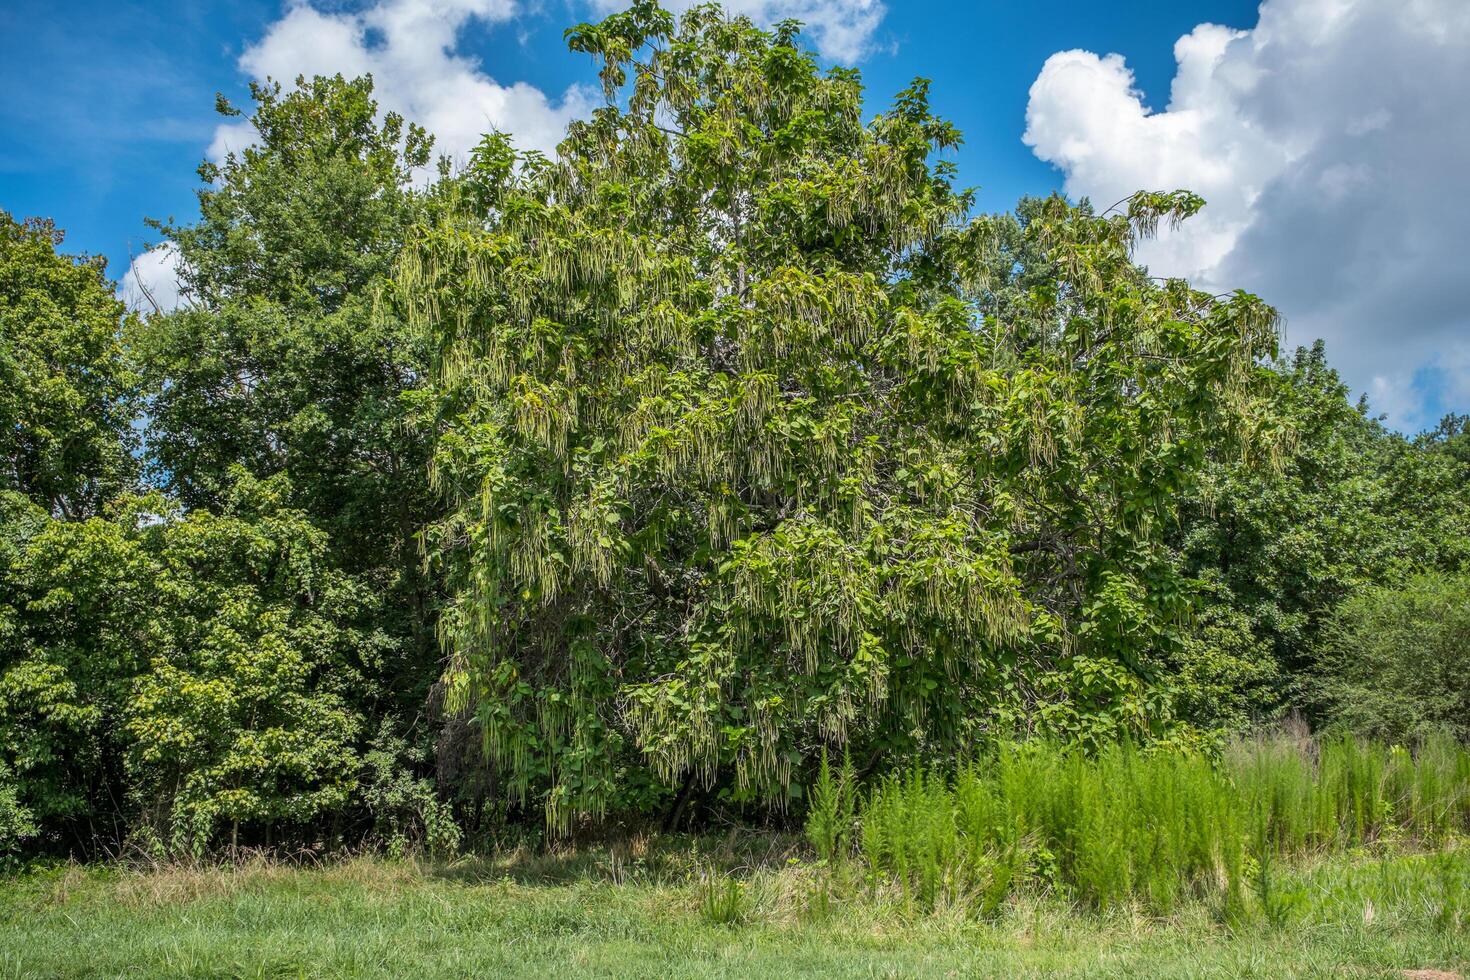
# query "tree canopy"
(65, 386)
(640, 479)
(756, 443)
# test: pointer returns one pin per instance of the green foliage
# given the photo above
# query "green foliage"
(1395, 660)
(727, 441)
(407, 812)
(830, 810)
(80, 605)
(280, 364)
(244, 714)
(313, 210)
(1276, 903)
(721, 899)
(755, 444)
(1346, 792)
(1348, 505)
(1227, 677)
(1108, 829)
(65, 389)
(16, 822)
(1451, 437)
(1153, 827)
(198, 663)
(550, 915)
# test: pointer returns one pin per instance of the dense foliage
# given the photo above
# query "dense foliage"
(1277, 549)
(755, 444)
(65, 385)
(231, 652)
(640, 479)
(1393, 659)
(201, 663)
(279, 363)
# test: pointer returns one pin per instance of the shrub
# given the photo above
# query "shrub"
(407, 812)
(200, 666)
(1396, 660)
(16, 823)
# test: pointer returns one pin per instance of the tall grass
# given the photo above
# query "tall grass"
(1321, 796)
(1154, 827)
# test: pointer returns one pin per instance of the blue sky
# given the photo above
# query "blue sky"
(1289, 118)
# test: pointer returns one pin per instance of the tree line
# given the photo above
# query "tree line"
(629, 484)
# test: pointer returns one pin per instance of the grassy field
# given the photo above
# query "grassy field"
(639, 911)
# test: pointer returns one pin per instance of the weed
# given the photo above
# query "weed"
(1124, 826)
(721, 900)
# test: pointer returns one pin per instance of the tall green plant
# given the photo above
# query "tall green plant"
(830, 811)
(1153, 827)
(1350, 506)
(278, 361)
(186, 674)
(66, 390)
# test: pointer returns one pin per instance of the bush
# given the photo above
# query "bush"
(407, 812)
(1396, 660)
(16, 823)
(200, 666)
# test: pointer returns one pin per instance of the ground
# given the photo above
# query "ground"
(623, 913)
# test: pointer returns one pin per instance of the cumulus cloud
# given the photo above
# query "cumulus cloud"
(411, 49)
(841, 29)
(1329, 141)
(151, 283)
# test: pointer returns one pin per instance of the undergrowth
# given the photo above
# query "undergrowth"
(1124, 826)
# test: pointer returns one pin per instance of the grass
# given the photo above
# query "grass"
(1288, 857)
(1123, 826)
(634, 910)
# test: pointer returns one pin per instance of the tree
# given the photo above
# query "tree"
(77, 612)
(1452, 437)
(247, 711)
(16, 822)
(1347, 505)
(756, 445)
(313, 211)
(65, 390)
(208, 658)
(280, 363)
(181, 671)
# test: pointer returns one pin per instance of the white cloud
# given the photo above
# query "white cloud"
(151, 283)
(410, 48)
(1330, 142)
(840, 29)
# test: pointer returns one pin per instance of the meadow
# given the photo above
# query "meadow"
(613, 912)
(1286, 857)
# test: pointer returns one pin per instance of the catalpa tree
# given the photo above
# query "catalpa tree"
(756, 444)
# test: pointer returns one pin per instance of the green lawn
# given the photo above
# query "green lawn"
(625, 914)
